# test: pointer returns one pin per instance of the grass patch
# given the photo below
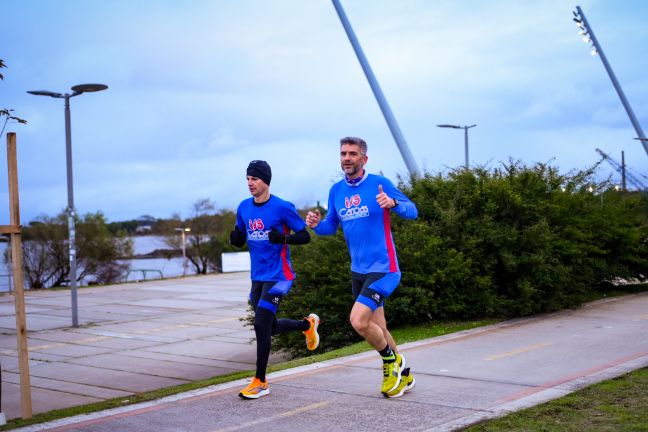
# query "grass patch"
(402, 335)
(620, 404)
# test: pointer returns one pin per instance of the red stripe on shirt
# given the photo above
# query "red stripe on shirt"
(287, 271)
(388, 241)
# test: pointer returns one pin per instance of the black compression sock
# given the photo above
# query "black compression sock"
(387, 354)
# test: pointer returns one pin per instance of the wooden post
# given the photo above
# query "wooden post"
(19, 290)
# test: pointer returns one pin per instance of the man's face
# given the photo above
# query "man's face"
(256, 186)
(352, 160)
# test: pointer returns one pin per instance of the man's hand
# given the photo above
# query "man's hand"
(313, 218)
(237, 237)
(275, 237)
(383, 200)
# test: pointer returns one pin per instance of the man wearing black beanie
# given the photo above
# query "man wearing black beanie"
(260, 169)
(265, 221)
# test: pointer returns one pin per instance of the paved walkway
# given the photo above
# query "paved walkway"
(132, 338)
(461, 378)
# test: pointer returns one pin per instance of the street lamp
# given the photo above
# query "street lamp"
(184, 251)
(76, 91)
(465, 128)
(589, 37)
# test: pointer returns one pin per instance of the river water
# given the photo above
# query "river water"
(141, 245)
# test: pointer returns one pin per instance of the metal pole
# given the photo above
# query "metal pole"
(378, 94)
(617, 86)
(70, 211)
(466, 145)
(623, 175)
(184, 255)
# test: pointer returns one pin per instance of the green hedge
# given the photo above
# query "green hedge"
(505, 242)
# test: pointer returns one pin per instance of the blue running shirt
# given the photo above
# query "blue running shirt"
(366, 226)
(269, 262)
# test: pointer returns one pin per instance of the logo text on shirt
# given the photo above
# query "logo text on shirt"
(256, 232)
(352, 209)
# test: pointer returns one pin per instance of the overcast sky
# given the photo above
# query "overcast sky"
(197, 89)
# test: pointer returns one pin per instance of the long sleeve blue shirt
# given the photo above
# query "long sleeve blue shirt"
(366, 226)
(268, 261)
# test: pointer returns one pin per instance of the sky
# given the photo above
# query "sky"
(199, 88)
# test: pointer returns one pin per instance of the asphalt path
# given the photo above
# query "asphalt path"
(460, 379)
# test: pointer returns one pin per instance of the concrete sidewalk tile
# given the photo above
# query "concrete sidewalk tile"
(67, 349)
(38, 322)
(166, 368)
(10, 363)
(175, 304)
(157, 338)
(43, 400)
(210, 349)
(107, 378)
(69, 387)
(230, 366)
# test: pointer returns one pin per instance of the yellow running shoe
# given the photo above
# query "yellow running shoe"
(407, 383)
(391, 376)
(255, 389)
(400, 359)
(312, 337)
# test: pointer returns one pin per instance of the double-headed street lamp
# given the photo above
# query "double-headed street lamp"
(465, 128)
(184, 250)
(76, 91)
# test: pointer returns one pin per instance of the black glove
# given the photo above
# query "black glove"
(276, 237)
(237, 238)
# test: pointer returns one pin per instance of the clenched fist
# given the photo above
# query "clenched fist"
(313, 218)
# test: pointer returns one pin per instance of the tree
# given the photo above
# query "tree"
(6, 112)
(208, 235)
(46, 252)
(99, 251)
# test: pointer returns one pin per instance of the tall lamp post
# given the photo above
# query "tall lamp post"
(184, 250)
(76, 91)
(465, 128)
(408, 158)
(588, 36)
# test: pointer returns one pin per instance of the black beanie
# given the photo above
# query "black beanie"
(260, 169)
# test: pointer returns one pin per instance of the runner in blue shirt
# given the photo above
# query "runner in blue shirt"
(266, 221)
(362, 204)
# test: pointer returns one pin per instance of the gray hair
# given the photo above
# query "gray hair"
(355, 141)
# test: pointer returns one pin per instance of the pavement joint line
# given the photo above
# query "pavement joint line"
(518, 351)
(285, 414)
(542, 396)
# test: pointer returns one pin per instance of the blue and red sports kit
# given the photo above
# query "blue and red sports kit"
(269, 262)
(271, 270)
(367, 231)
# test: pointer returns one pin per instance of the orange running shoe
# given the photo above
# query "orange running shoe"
(255, 389)
(312, 337)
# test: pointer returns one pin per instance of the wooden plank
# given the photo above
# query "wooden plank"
(19, 289)
(10, 229)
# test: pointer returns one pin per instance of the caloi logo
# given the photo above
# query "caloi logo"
(353, 200)
(256, 224)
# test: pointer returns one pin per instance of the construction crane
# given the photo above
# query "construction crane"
(625, 173)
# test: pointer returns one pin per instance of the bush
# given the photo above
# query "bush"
(505, 242)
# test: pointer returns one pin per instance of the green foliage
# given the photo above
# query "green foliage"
(46, 252)
(323, 287)
(99, 250)
(506, 242)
